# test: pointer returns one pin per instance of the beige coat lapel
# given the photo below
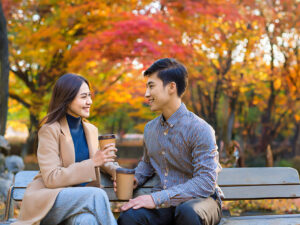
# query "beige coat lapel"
(67, 149)
(91, 135)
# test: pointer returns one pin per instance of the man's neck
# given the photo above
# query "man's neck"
(171, 108)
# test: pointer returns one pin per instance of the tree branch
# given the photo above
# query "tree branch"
(19, 99)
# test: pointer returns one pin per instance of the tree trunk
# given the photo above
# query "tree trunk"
(231, 118)
(296, 140)
(266, 119)
(269, 157)
(30, 146)
(4, 72)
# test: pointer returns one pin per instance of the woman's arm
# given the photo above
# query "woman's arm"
(50, 162)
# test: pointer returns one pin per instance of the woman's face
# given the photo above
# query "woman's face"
(81, 104)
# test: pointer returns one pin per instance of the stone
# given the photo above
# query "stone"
(14, 163)
(4, 143)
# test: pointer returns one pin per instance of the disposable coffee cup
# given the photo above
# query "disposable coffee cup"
(107, 139)
(104, 140)
(125, 180)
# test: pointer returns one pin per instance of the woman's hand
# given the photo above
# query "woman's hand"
(108, 154)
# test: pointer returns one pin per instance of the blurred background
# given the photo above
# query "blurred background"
(243, 58)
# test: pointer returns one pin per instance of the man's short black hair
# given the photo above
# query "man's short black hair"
(169, 70)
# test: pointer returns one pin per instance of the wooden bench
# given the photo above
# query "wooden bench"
(236, 183)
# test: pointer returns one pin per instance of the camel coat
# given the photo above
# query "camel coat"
(58, 170)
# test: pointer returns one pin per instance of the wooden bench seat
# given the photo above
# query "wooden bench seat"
(236, 183)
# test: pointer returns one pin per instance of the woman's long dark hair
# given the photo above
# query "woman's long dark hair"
(64, 92)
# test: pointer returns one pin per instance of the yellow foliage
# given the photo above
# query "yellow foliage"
(277, 84)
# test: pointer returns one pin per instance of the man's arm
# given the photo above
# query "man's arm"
(144, 170)
(206, 167)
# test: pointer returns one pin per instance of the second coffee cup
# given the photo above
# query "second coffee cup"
(125, 180)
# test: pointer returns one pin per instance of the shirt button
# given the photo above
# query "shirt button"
(163, 152)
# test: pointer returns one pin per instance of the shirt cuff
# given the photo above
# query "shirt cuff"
(161, 199)
(140, 179)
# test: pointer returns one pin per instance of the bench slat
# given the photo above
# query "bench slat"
(231, 193)
(261, 192)
(258, 176)
(227, 177)
(291, 219)
(18, 194)
(23, 178)
(112, 195)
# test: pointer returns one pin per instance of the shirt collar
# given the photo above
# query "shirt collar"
(182, 110)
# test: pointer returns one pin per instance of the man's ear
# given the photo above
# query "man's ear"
(172, 88)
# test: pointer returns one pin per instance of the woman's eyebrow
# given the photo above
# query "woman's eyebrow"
(85, 93)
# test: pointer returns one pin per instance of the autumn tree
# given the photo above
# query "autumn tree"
(281, 23)
(42, 38)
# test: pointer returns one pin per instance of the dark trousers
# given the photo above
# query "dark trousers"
(201, 211)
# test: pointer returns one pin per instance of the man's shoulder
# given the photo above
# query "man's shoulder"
(152, 123)
(196, 122)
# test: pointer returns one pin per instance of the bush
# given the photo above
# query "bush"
(296, 163)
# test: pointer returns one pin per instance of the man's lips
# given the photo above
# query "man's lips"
(150, 101)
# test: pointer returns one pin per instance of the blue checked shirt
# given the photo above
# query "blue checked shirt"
(182, 151)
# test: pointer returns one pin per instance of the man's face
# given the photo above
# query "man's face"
(156, 94)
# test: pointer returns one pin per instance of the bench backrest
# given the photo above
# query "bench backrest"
(236, 183)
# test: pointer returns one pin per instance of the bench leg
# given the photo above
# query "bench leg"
(9, 209)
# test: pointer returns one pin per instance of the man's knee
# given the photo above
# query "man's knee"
(128, 217)
(185, 209)
(135, 217)
(186, 214)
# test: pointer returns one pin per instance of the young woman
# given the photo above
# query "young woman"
(62, 192)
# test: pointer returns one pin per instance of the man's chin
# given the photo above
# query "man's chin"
(153, 108)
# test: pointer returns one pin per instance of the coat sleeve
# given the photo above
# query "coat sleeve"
(53, 173)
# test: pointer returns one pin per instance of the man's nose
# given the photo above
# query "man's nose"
(147, 94)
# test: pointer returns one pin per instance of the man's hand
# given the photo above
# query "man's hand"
(135, 184)
(143, 201)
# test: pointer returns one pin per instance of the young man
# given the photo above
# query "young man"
(181, 149)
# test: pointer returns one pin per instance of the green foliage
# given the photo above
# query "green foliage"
(284, 163)
(270, 206)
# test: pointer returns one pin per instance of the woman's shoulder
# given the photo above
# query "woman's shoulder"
(89, 125)
(50, 126)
